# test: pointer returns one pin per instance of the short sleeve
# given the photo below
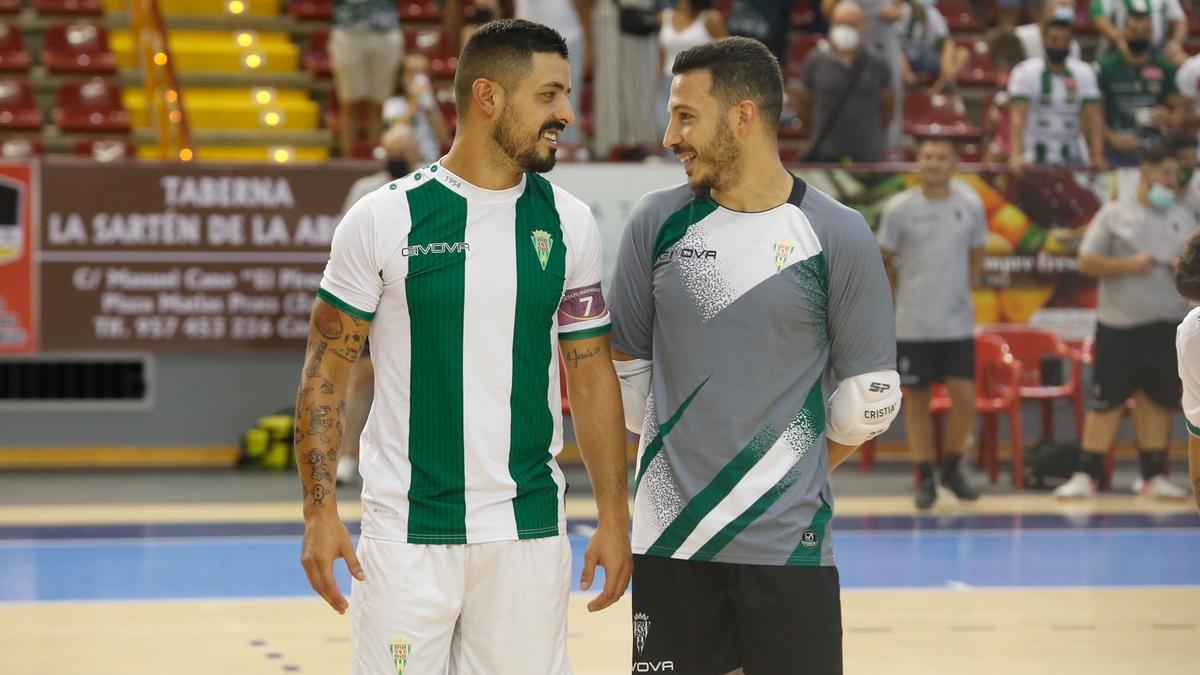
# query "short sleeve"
(890, 236)
(1098, 238)
(1021, 86)
(632, 296)
(1089, 88)
(1186, 77)
(977, 215)
(940, 30)
(862, 325)
(1175, 11)
(1187, 346)
(582, 312)
(351, 281)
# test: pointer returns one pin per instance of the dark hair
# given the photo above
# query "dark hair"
(1158, 154)
(502, 51)
(1187, 275)
(1004, 46)
(741, 69)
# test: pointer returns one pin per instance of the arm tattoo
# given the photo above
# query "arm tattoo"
(318, 493)
(327, 387)
(328, 322)
(574, 356)
(315, 459)
(314, 364)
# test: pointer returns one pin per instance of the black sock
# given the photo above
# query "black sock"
(950, 463)
(1092, 463)
(1152, 462)
(926, 470)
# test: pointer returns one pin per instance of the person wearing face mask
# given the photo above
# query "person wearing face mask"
(846, 97)
(1030, 34)
(1132, 246)
(1168, 25)
(1139, 95)
(1055, 107)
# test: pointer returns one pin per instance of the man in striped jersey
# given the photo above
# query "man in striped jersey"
(741, 301)
(469, 275)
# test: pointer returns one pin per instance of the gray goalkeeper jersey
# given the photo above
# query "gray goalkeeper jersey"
(750, 320)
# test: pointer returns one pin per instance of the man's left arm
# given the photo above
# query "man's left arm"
(596, 413)
(862, 333)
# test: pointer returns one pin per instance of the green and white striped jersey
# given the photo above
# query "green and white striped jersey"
(1053, 130)
(468, 292)
(750, 320)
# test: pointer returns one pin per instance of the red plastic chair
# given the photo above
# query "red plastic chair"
(979, 71)
(18, 107)
(998, 387)
(78, 48)
(88, 7)
(1029, 346)
(14, 55)
(941, 115)
(443, 61)
(93, 105)
(316, 54)
(20, 148)
(104, 149)
(961, 17)
(311, 10)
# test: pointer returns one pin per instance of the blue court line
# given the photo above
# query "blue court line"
(955, 522)
(198, 567)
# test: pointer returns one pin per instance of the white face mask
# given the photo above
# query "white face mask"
(844, 38)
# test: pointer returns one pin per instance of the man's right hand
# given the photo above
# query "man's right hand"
(326, 539)
(1140, 263)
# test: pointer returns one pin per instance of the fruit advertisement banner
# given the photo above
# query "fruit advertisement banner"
(1035, 224)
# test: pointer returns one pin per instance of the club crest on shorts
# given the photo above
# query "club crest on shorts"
(542, 243)
(809, 540)
(400, 648)
(641, 630)
(783, 249)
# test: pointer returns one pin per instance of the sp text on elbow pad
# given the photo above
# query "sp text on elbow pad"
(863, 407)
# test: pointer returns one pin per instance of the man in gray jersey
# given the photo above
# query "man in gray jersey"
(932, 238)
(741, 301)
(1132, 246)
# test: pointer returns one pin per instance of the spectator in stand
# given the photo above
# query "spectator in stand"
(1168, 25)
(1132, 246)
(846, 96)
(1055, 107)
(415, 106)
(768, 21)
(926, 47)
(1187, 81)
(365, 48)
(1006, 52)
(690, 23)
(1138, 89)
(1030, 34)
(880, 38)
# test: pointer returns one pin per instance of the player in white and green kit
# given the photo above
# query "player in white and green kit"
(1187, 346)
(469, 275)
(755, 335)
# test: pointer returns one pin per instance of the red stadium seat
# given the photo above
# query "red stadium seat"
(14, 55)
(104, 149)
(804, 13)
(979, 71)
(18, 108)
(419, 10)
(316, 54)
(1083, 17)
(10, 6)
(443, 61)
(961, 16)
(798, 50)
(88, 7)
(311, 10)
(18, 148)
(942, 115)
(91, 105)
(1031, 346)
(78, 48)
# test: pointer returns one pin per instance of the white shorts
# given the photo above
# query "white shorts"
(365, 63)
(477, 609)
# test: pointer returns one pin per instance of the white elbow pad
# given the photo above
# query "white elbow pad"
(863, 407)
(634, 376)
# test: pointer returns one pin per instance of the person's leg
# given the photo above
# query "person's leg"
(384, 57)
(681, 615)
(347, 127)
(346, 54)
(403, 614)
(956, 366)
(915, 364)
(514, 618)
(789, 619)
(1161, 391)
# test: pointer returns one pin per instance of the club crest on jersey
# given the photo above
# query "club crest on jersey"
(641, 630)
(399, 648)
(783, 249)
(809, 540)
(542, 243)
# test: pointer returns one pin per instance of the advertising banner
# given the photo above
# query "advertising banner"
(18, 278)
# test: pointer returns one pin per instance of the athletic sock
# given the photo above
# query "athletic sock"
(1152, 462)
(926, 470)
(1092, 463)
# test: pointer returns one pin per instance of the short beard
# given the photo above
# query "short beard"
(505, 135)
(724, 157)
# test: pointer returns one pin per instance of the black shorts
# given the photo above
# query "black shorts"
(923, 363)
(1125, 360)
(707, 618)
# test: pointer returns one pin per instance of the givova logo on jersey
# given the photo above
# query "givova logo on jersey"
(435, 248)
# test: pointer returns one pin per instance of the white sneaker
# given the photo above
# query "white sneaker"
(1159, 488)
(1081, 486)
(347, 469)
